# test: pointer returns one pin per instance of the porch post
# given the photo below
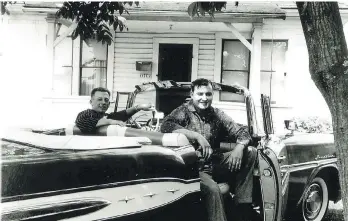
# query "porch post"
(75, 81)
(51, 35)
(255, 64)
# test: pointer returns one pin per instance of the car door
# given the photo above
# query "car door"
(270, 176)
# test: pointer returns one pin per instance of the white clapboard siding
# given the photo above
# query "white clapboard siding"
(207, 42)
(164, 35)
(206, 47)
(131, 47)
(119, 66)
(133, 51)
(135, 40)
(135, 46)
(206, 57)
(205, 62)
(207, 52)
(131, 60)
(206, 73)
(137, 56)
(206, 67)
(209, 57)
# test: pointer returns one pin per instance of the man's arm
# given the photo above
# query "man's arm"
(233, 131)
(86, 121)
(177, 119)
(176, 122)
(236, 132)
(124, 115)
(105, 121)
(195, 137)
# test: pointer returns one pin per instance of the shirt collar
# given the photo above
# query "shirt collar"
(192, 108)
(99, 113)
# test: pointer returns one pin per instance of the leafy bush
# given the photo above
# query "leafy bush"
(313, 124)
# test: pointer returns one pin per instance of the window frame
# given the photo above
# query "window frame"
(273, 71)
(81, 66)
(75, 84)
(247, 71)
(72, 61)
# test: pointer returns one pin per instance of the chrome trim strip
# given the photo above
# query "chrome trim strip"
(285, 183)
(307, 165)
(96, 187)
(81, 206)
(118, 207)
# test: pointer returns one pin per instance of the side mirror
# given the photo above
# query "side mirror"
(159, 115)
(290, 125)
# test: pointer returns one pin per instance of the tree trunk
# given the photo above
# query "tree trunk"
(328, 66)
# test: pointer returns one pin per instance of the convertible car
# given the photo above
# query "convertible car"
(138, 173)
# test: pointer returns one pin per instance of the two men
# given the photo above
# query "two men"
(206, 127)
(89, 120)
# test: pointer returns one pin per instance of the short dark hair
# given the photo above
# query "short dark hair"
(200, 82)
(101, 89)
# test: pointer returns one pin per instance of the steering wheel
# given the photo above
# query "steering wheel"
(133, 123)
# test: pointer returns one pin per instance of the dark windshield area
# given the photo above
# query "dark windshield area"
(168, 100)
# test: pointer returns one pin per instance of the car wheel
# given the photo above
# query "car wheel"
(315, 201)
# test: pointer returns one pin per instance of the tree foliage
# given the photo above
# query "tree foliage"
(3, 8)
(313, 124)
(200, 8)
(94, 19)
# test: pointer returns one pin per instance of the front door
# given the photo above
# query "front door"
(175, 62)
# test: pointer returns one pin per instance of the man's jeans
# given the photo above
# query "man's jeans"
(241, 182)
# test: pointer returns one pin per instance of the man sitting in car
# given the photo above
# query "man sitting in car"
(89, 120)
(206, 127)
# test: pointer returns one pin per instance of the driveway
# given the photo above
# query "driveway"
(335, 212)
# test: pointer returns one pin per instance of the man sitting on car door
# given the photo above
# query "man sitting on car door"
(89, 120)
(206, 127)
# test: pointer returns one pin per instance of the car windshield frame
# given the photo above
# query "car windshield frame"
(254, 128)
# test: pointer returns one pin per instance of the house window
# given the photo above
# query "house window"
(235, 67)
(78, 67)
(93, 67)
(273, 69)
(63, 67)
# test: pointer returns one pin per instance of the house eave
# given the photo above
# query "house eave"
(240, 17)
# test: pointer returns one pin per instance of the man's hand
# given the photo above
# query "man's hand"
(205, 146)
(144, 107)
(235, 158)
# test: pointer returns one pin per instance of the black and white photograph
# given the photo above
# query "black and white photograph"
(174, 110)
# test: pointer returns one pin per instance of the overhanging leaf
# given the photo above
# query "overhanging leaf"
(201, 9)
(95, 18)
(192, 9)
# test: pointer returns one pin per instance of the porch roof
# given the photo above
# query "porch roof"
(177, 11)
